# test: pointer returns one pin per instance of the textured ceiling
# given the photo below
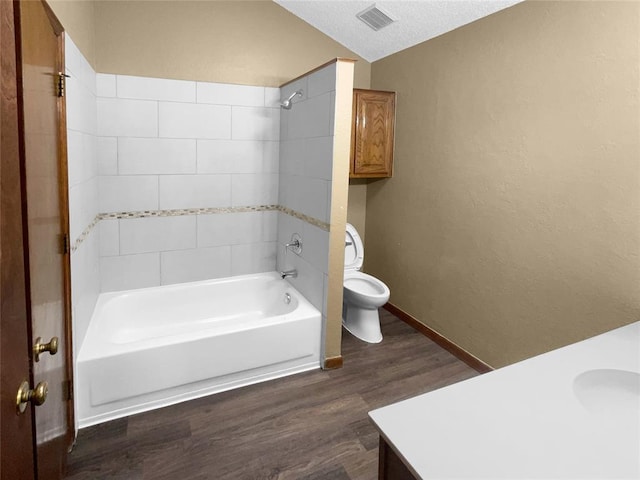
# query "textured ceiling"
(416, 21)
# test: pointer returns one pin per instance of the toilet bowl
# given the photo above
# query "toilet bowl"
(362, 294)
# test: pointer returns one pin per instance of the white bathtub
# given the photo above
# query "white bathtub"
(154, 347)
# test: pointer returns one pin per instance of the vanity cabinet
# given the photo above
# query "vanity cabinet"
(372, 134)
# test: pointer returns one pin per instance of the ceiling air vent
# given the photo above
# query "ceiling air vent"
(375, 18)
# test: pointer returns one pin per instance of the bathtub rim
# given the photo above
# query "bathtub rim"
(97, 346)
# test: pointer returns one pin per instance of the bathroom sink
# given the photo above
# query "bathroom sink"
(608, 390)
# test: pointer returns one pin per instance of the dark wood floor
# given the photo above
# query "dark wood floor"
(309, 426)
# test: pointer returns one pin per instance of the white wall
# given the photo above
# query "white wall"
(83, 189)
(306, 159)
(209, 150)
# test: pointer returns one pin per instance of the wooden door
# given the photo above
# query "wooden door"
(372, 134)
(47, 261)
(16, 436)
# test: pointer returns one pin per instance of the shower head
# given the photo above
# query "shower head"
(286, 104)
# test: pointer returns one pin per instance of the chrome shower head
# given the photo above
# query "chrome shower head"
(286, 104)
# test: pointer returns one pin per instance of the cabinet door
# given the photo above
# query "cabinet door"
(372, 134)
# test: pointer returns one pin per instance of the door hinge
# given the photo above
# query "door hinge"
(62, 83)
(66, 247)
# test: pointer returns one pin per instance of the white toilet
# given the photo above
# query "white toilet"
(363, 294)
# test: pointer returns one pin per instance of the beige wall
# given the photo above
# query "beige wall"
(78, 19)
(512, 223)
(244, 42)
(357, 212)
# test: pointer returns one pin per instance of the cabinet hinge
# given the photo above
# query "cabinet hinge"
(62, 83)
(66, 247)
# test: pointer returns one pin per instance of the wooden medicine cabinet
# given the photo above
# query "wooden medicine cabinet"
(372, 134)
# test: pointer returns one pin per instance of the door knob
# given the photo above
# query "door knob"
(39, 347)
(37, 396)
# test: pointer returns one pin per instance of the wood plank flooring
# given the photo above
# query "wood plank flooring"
(309, 426)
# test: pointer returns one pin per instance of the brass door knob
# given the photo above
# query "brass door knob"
(37, 396)
(39, 347)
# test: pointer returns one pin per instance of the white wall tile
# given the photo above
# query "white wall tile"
(90, 147)
(271, 162)
(156, 156)
(254, 189)
(255, 123)
(316, 247)
(311, 198)
(195, 191)
(127, 118)
(322, 81)
(228, 94)
(287, 190)
(81, 107)
(128, 193)
(105, 85)
(254, 227)
(73, 57)
(146, 88)
(272, 97)
(79, 67)
(81, 157)
(217, 229)
(75, 157)
(193, 265)
(187, 120)
(293, 156)
(154, 234)
(83, 206)
(253, 258)
(109, 230)
(230, 156)
(129, 271)
(310, 118)
(85, 286)
(318, 161)
(309, 281)
(237, 228)
(284, 125)
(107, 151)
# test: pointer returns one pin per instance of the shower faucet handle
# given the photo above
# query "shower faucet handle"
(295, 244)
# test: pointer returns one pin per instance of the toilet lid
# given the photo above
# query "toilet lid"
(353, 250)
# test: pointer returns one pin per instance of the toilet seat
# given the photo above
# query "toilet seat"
(364, 284)
(353, 250)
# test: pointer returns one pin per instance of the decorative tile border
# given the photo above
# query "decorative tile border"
(85, 233)
(194, 211)
(305, 218)
(186, 211)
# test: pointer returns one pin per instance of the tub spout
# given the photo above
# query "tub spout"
(289, 273)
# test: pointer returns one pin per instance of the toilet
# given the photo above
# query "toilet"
(363, 294)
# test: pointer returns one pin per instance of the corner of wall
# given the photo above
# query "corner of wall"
(339, 204)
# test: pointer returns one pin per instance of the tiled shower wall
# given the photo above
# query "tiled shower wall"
(306, 159)
(83, 188)
(189, 176)
(175, 181)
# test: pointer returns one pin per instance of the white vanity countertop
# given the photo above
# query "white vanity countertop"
(532, 419)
